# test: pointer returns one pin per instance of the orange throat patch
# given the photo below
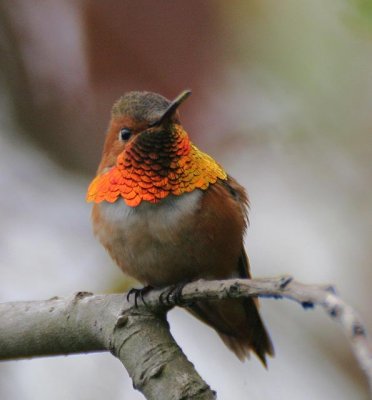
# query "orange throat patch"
(153, 167)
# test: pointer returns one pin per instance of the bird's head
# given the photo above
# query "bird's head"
(143, 125)
(148, 155)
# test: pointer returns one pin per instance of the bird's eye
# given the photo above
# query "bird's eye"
(125, 134)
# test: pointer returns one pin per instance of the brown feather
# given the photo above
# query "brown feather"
(237, 321)
(182, 236)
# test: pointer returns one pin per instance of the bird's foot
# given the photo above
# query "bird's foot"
(173, 295)
(138, 293)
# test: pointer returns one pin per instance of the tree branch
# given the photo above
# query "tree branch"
(88, 323)
(284, 287)
(140, 337)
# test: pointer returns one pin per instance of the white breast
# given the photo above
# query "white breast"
(148, 241)
(158, 218)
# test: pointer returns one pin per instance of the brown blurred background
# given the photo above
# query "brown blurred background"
(282, 97)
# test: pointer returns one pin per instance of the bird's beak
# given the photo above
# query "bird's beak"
(169, 112)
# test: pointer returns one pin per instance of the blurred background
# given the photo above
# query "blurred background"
(282, 97)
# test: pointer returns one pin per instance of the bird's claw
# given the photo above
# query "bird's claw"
(138, 293)
(172, 295)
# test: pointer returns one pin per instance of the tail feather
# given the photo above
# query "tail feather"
(239, 325)
(237, 321)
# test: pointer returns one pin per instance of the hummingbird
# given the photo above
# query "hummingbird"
(168, 213)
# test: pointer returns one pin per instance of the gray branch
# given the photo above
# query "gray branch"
(140, 337)
(90, 323)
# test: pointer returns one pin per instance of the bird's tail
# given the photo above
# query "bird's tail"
(239, 325)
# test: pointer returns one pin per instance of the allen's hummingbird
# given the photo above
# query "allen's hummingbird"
(168, 214)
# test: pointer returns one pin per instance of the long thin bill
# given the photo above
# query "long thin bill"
(168, 113)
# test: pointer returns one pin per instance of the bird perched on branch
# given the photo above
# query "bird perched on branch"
(168, 214)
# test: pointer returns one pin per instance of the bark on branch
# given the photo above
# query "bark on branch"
(140, 337)
(90, 323)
